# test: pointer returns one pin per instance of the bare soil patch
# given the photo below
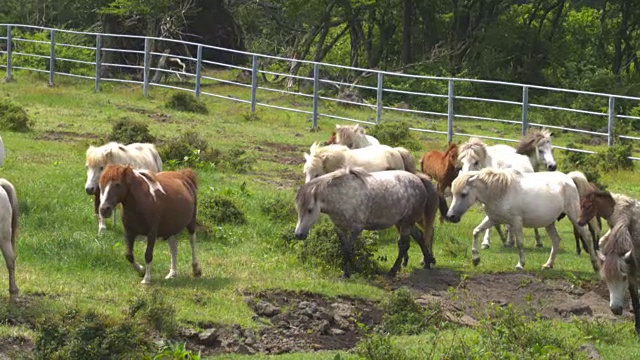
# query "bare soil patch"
(66, 136)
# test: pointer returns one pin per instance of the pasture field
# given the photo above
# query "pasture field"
(63, 264)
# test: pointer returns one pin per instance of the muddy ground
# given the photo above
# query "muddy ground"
(294, 322)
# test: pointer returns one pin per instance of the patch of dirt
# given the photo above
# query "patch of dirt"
(282, 153)
(294, 322)
(15, 347)
(474, 296)
(156, 116)
(66, 136)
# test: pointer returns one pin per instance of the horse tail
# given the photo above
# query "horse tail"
(581, 182)
(13, 200)
(407, 159)
(429, 214)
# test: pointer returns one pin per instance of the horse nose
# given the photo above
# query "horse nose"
(90, 190)
(105, 210)
(454, 218)
(301, 235)
(616, 310)
(552, 167)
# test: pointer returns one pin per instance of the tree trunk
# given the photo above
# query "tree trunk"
(407, 21)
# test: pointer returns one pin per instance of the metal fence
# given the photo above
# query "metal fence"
(51, 54)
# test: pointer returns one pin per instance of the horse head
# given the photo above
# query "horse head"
(114, 185)
(617, 262)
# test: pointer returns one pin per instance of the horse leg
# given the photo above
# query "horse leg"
(425, 240)
(486, 224)
(148, 258)
(635, 304)
(536, 234)
(579, 240)
(130, 240)
(403, 248)
(516, 228)
(555, 245)
(595, 230)
(195, 266)
(96, 206)
(346, 244)
(173, 248)
(485, 240)
(10, 261)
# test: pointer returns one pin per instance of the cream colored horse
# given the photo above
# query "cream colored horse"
(138, 155)
(520, 200)
(8, 227)
(354, 137)
(325, 159)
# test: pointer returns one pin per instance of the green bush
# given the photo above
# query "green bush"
(13, 117)
(155, 311)
(186, 102)
(78, 335)
(218, 209)
(403, 316)
(174, 351)
(380, 347)
(127, 131)
(395, 133)
(322, 249)
(611, 158)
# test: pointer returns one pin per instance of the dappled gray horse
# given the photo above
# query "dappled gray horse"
(356, 200)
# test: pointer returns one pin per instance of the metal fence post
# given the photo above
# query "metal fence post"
(525, 109)
(52, 57)
(316, 83)
(379, 99)
(145, 76)
(450, 112)
(9, 50)
(254, 81)
(198, 71)
(612, 117)
(98, 61)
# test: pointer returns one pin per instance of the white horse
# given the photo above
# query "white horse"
(325, 159)
(520, 200)
(8, 227)
(354, 137)
(138, 155)
(1, 152)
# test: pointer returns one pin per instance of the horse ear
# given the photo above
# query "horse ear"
(628, 257)
(472, 179)
(307, 157)
(338, 126)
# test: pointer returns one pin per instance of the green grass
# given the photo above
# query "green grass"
(61, 255)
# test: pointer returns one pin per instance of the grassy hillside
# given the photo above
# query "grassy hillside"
(63, 264)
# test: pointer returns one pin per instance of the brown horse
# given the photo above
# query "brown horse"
(154, 205)
(441, 166)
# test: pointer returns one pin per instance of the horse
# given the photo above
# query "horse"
(325, 159)
(351, 136)
(520, 200)
(620, 254)
(154, 205)
(442, 166)
(138, 155)
(594, 223)
(356, 200)
(8, 229)
(536, 145)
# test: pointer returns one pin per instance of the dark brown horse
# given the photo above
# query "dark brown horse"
(157, 205)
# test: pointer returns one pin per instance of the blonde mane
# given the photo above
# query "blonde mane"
(345, 134)
(97, 156)
(619, 242)
(498, 181)
(327, 157)
(534, 139)
(474, 149)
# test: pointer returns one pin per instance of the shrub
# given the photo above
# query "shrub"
(127, 131)
(219, 209)
(395, 133)
(186, 102)
(279, 208)
(403, 316)
(155, 312)
(322, 249)
(380, 347)
(187, 149)
(90, 336)
(13, 117)
(174, 351)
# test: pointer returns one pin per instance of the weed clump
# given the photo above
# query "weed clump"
(127, 131)
(380, 347)
(322, 249)
(279, 208)
(395, 133)
(220, 209)
(613, 158)
(13, 117)
(156, 313)
(187, 103)
(403, 316)
(88, 335)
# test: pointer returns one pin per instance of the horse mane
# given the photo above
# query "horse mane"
(345, 134)
(309, 190)
(497, 180)
(452, 151)
(330, 156)
(474, 148)
(532, 140)
(97, 156)
(114, 172)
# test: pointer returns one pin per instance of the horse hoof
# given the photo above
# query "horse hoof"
(145, 282)
(171, 275)
(476, 261)
(545, 267)
(519, 267)
(508, 245)
(197, 272)
(538, 245)
(485, 246)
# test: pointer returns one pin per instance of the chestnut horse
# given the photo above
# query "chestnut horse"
(441, 166)
(154, 205)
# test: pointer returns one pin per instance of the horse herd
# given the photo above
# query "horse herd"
(364, 185)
